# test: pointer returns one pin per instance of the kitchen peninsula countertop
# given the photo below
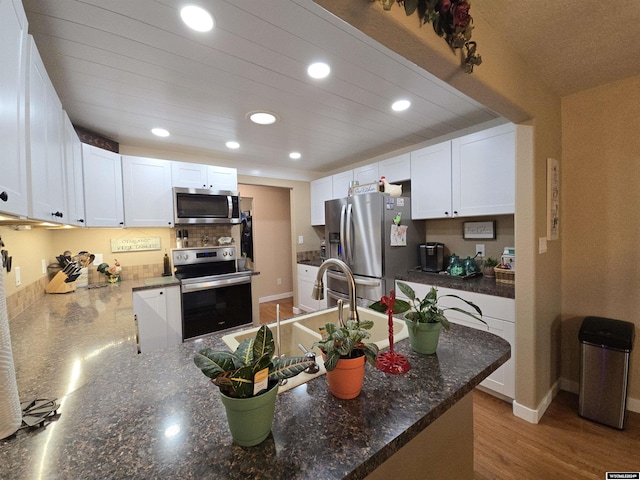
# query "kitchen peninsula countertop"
(155, 415)
(479, 284)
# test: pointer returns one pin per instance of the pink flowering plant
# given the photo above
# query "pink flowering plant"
(450, 19)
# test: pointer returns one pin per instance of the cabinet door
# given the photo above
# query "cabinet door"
(73, 174)
(431, 182)
(367, 174)
(44, 145)
(148, 198)
(483, 166)
(158, 318)
(102, 176)
(13, 58)
(341, 182)
(321, 190)
(306, 280)
(222, 178)
(396, 169)
(188, 175)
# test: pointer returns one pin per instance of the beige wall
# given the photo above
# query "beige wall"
(600, 214)
(506, 84)
(27, 248)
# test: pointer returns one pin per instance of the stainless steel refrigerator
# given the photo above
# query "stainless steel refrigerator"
(359, 232)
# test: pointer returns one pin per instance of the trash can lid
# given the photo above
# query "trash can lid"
(607, 332)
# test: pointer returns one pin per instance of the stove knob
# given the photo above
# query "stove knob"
(186, 256)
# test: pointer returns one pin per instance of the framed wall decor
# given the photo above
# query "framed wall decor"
(472, 230)
(553, 199)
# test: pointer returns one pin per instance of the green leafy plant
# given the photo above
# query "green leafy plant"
(346, 341)
(427, 310)
(450, 19)
(490, 262)
(234, 372)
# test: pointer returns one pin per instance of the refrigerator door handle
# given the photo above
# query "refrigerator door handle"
(349, 229)
(342, 252)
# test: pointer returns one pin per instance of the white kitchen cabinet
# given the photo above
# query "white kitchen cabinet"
(102, 176)
(366, 174)
(44, 144)
(320, 190)
(431, 182)
(222, 178)
(13, 77)
(340, 183)
(147, 193)
(158, 316)
(73, 174)
(483, 172)
(196, 175)
(306, 280)
(498, 312)
(396, 169)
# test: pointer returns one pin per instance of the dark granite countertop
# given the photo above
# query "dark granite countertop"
(479, 284)
(155, 415)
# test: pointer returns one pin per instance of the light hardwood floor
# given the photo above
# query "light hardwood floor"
(562, 446)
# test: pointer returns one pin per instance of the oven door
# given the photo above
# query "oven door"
(215, 305)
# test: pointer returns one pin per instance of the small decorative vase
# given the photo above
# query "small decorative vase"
(250, 419)
(424, 336)
(345, 381)
(488, 272)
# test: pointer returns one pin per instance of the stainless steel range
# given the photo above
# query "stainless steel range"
(215, 296)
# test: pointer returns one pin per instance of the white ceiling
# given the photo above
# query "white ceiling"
(124, 67)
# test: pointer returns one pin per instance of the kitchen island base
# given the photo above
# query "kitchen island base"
(444, 450)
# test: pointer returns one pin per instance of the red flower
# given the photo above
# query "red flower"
(443, 7)
(460, 11)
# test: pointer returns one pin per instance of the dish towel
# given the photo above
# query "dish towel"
(10, 410)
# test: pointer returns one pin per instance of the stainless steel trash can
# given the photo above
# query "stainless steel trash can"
(605, 348)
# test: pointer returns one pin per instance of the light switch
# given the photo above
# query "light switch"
(542, 245)
(44, 266)
(18, 278)
(300, 239)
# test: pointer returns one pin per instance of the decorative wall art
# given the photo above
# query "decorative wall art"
(553, 199)
(472, 230)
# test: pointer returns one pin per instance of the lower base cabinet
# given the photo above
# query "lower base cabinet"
(306, 280)
(499, 313)
(158, 317)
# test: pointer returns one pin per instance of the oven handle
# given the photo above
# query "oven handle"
(196, 287)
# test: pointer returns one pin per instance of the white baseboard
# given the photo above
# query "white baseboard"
(633, 404)
(273, 298)
(534, 415)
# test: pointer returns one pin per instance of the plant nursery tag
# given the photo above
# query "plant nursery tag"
(261, 381)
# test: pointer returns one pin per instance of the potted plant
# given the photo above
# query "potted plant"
(345, 355)
(248, 382)
(426, 318)
(488, 265)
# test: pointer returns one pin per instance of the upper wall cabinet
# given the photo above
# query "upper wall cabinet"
(102, 176)
(147, 192)
(341, 183)
(13, 58)
(396, 169)
(73, 173)
(321, 190)
(366, 174)
(45, 144)
(483, 172)
(197, 175)
(431, 182)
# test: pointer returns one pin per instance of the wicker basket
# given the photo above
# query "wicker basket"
(504, 275)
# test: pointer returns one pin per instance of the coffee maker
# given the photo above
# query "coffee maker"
(432, 257)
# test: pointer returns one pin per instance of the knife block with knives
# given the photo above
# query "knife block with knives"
(65, 280)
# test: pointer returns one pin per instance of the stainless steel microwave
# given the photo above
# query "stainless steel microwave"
(201, 206)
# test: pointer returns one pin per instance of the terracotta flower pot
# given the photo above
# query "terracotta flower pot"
(424, 336)
(250, 418)
(345, 381)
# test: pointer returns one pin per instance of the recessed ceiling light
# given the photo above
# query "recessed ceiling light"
(295, 155)
(262, 118)
(318, 70)
(401, 105)
(197, 18)
(160, 132)
(233, 145)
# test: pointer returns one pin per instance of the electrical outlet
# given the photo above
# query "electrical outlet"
(300, 239)
(542, 245)
(279, 281)
(18, 278)
(480, 249)
(44, 266)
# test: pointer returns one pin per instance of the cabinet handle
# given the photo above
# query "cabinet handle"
(57, 214)
(121, 223)
(4, 197)
(161, 293)
(446, 213)
(81, 220)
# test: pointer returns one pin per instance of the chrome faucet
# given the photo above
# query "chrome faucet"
(318, 286)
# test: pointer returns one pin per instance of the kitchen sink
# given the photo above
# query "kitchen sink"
(304, 330)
